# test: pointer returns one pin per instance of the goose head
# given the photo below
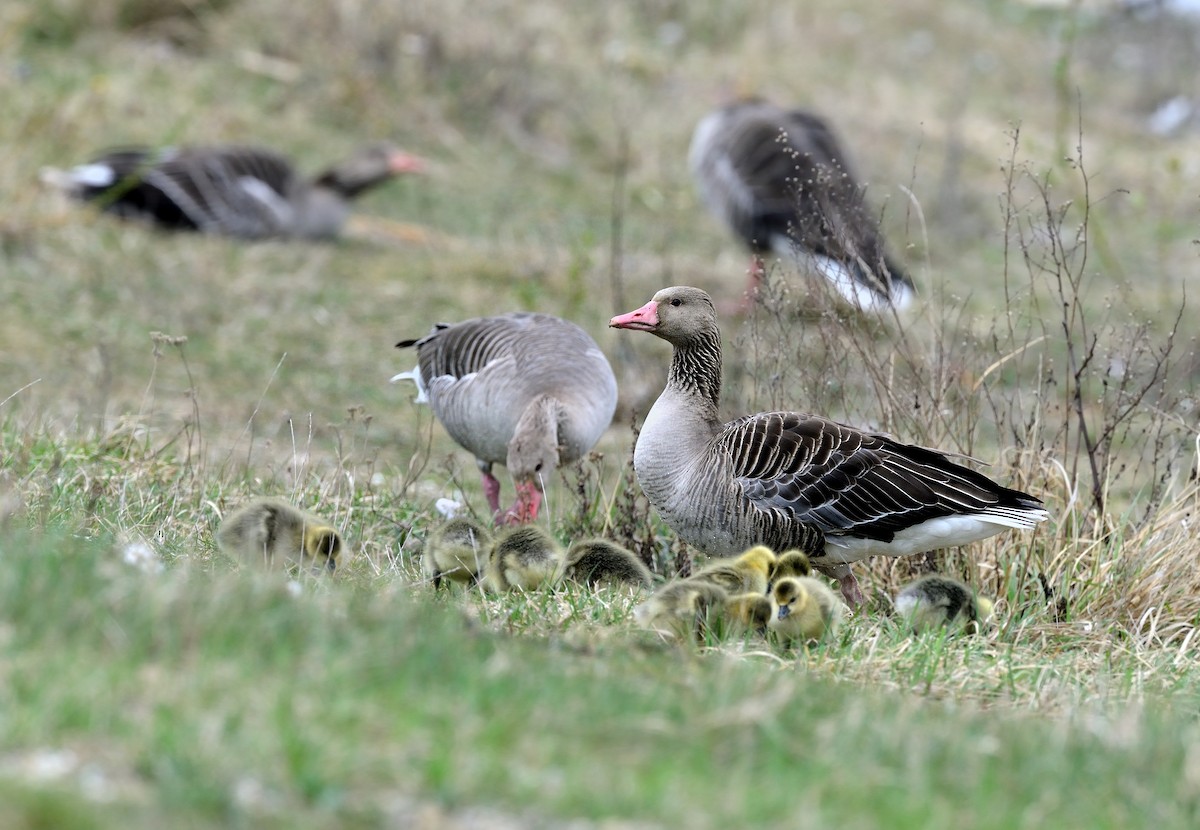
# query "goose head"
(533, 455)
(370, 166)
(675, 314)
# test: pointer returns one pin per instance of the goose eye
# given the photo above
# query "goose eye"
(538, 468)
(677, 302)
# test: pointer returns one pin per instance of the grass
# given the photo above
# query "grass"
(149, 383)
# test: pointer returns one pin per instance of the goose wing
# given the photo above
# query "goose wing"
(847, 482)
(242, 191)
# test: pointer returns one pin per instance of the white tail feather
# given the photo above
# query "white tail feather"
(415, 377)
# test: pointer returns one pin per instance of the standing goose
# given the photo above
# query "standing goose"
(790, 480)
(780, 180)
(246, 192)
(529, 391)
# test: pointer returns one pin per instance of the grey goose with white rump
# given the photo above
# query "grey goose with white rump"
(790, 480)
(780, 180)
(530, 391)
(246, 192)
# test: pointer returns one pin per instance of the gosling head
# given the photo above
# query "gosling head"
(322, 547)
(791, 597)
(759, 558)
(791, 563)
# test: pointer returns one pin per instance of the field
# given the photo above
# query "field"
(150, 383)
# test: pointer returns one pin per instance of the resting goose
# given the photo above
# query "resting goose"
(790, 480)
(780, 180)
(246, 192)
(529, 391)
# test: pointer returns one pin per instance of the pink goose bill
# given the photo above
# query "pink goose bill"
(642, 319)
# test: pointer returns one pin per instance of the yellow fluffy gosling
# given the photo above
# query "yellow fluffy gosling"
(595, 561)
(934, 601)
(748, 573)
(524, 557)
(746, 613)
(680, 609)
(272, 533)
(790, 563)
(456, 550)
(803, 609)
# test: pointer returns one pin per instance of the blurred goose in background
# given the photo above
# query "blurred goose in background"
(247, 192)
(803, 608)
(530, 391)
(780, 180)
(790, 480)
(457, 550)
(272, 533)
(524, 557)
(936, 601)
(595, 561)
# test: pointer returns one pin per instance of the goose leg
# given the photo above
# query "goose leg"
(754, 278)
(850, 589)
(491, 487)
(755, 275)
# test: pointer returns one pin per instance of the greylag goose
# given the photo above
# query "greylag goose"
(238, 191)
(780, 180)
(530, 391)
(936, 601)
(803, 608)
(790, 480)
(271, 532)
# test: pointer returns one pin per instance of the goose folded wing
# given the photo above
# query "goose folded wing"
(845, 481)
(236, 190)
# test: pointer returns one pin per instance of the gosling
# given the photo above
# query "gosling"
(748, 573)
(272, 533)
(804, 608)
(936, 601)
(599, 561)
(525, 557)
(456, 550)
(681, 609)
(745, 614)
(790, 563)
